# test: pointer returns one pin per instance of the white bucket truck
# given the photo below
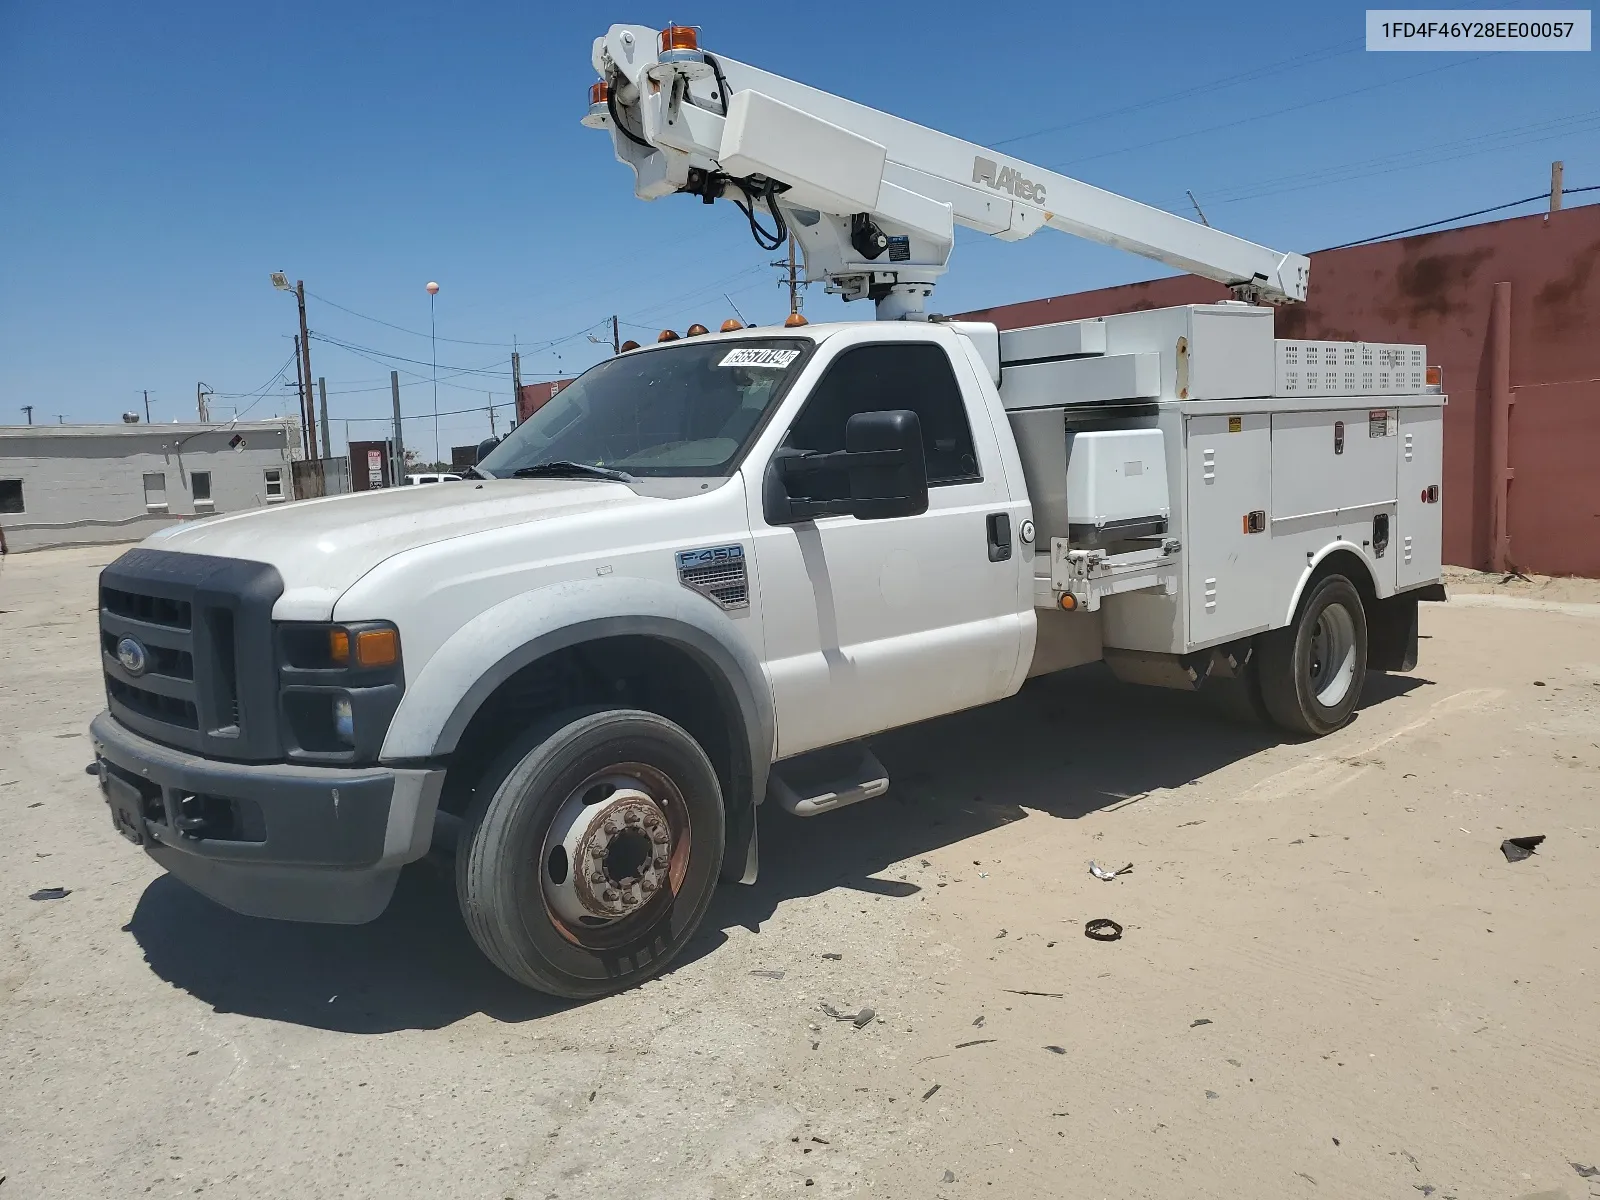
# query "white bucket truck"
(699, 576)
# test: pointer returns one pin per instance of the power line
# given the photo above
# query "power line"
(1226, 81)
(383, 354)
(1516, 137)
(1276, 112)
(1545, 195)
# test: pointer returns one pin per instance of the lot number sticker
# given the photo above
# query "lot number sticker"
(776, 359)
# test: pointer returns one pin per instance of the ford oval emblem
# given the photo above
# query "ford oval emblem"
(133, 657)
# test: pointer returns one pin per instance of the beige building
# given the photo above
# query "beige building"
(72, 484)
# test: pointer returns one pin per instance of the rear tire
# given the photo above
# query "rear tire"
(591, 852)
(1313, 670)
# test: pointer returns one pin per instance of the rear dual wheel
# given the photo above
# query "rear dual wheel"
(1312, 671)
(591, 851)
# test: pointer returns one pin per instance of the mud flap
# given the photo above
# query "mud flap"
(1392, 634)
(741, 855)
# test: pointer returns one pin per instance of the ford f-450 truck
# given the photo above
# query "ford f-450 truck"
(702, 574)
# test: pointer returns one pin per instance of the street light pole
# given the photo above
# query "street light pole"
(308, 418)
(433, 342)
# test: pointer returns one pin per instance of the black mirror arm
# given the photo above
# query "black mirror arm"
(839, 460)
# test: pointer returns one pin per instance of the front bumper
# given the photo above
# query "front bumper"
(296, 843)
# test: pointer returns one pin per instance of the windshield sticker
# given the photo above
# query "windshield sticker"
(776, 359)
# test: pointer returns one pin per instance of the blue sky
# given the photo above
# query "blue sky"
(157, 161)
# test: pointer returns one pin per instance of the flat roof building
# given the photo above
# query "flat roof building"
(74, 484)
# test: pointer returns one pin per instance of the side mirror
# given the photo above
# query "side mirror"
(888, 473)
(880, 473)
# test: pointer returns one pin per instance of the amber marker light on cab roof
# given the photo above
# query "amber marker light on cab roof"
(630, 344)
(794, 321)
(666, 335)
(730, 325)
(697, 329)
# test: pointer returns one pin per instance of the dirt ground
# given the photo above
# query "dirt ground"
(1331, 982)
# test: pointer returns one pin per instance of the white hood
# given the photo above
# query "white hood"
(322, 546)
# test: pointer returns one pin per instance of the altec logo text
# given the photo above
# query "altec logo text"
(1006, 179)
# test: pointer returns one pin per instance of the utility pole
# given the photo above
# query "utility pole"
(1557, 169)
(322, 391)
(397, 471)
(147, 406)
(616, 341)
(491, 415)
(307, 413)
(793, 280)
(1200, 212)
(305, 397)
(28, 408)
(202, 409)
(516, 382)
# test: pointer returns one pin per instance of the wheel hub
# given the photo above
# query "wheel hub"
(608, 852)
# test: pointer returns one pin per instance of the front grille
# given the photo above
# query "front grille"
(153, 610)
(203, 675)
(173, 710)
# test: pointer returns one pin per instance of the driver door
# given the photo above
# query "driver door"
(872, 624)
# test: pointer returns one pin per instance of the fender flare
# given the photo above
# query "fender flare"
(475, 660)
(1311, 569)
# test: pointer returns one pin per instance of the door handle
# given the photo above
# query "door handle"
(999, 530)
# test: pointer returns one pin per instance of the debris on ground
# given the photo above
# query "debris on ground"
(1050, 995)
(978, 1042)
(1518, 848)
(978, 1022)
(766, 974)
(859, 1019)
(949, 1176)
(1585, 1172)
(1210, 1095)
(1000, 935)
(1427, 1189)
(834, 957)
(51, 893)
(1199, 1021)
(1055, 1049)
(932, 1090)
(1100, 872)
(1102, 929)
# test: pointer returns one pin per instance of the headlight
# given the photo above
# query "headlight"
(344, 720)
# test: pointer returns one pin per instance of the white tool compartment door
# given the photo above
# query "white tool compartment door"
(1334, 479)
(1227, 546)
(1419, 538)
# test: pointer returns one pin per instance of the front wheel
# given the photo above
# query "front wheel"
(1312, 671)
(591, 852)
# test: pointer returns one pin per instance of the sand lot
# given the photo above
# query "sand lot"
(1331, 983)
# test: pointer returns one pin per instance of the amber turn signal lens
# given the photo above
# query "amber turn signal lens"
(377, 647)
(339, 645)
(730, 325)
(1435, 376)
(599, 92)
(679, 37)
(666, 335)
(1069, 602)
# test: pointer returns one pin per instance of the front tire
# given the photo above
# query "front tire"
(1313, 670)
(591, 851)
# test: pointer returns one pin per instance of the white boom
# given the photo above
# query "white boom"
(871, 198)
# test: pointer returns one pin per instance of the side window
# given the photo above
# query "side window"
(11, 496)
(200, 488)
(274, 481)
(914, 375)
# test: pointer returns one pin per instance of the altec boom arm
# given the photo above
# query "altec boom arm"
(872, 198)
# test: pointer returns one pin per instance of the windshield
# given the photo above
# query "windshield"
(682, 409)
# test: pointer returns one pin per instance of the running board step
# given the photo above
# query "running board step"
(824, 780)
